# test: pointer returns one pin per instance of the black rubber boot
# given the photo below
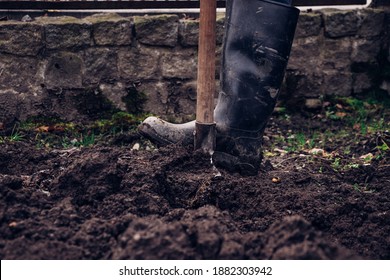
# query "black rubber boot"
(257, 44)
(256, 48)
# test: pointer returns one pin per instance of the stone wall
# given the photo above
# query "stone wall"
(72, 68)
(340, 53)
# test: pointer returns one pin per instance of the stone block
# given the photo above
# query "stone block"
(182, 98)
(10, 104)
(25, 39)
(372, 22)
(366, 51)
(189, 32)
(100, 65)
(305, 54)
(64, 70)
(179, 65)
(336, 54)
(19, 74)
(115, 93)
(139, 63)
(157, 98)
(172, 100)
(157, 30)
(361, 82)
(111, 29)
(66, 32)
(340, 23)
(309, 24)
(337, 83)
(303, 83)
(16, 106)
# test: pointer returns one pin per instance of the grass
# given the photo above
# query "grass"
(353, 132)
(54, 133)
(83, 140)
(336, 164)
(15, 136)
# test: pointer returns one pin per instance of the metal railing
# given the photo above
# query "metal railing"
(141, 4)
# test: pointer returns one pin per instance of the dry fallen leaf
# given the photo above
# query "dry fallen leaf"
(42, 128)
(341, 114)
(57, 128)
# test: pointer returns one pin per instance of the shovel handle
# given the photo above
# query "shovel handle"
(206, 62)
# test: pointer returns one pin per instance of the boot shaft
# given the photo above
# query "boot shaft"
(257, 45)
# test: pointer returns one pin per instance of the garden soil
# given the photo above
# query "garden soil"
(115, 201)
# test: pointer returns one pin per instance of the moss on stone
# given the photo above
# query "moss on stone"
(190, 23)
(106, 17)
(60, 20)
(158, 30)
(144, 20)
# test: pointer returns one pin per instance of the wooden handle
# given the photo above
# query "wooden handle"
(206, 62)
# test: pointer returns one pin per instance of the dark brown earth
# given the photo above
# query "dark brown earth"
(110, 201)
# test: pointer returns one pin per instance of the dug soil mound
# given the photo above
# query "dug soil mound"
(119, 201)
